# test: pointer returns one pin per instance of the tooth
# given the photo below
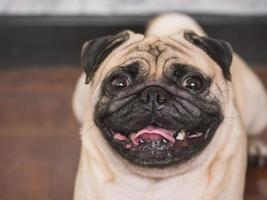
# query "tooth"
(128, 146)
(153, 144)
(181, 135)
(165, 141)
(141, 140)
(197, 134)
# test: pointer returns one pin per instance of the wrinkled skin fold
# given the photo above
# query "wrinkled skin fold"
(126, 113)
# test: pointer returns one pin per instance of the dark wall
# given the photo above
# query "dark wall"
(58, 40)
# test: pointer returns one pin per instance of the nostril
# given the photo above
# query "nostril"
(160, 99)
(154, 97)
(145, 98)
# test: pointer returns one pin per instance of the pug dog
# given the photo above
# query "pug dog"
(165, 115)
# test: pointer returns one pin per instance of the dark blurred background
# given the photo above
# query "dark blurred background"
(40, 44)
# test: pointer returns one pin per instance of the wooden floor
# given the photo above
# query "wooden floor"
(39, 141)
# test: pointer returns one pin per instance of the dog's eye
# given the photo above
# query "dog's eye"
(117, 83)
(194, 83)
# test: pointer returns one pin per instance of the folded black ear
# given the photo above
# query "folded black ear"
(95, 51)
(220, 51)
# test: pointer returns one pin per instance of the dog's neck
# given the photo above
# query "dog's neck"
(220, 177)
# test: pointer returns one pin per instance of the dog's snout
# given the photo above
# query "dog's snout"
(154, 97)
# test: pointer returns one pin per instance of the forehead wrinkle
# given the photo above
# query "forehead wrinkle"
(112, 61)
(148, 57)
(158, 50)
(134, 54)
(139, 60)
(177, 57)
(179, 49)
(195, 57)
(178, 42)
(167, 60)
(156, 45)
(142, 55)
(202, 61)
(182, 42)
(133, 44)
(180, 52)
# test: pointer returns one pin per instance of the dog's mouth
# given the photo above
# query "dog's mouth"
(155, 146)
(156, 128)
(152, 134)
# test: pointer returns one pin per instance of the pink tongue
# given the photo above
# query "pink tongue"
(151, 133)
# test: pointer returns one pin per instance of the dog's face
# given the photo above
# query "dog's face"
(156, 102)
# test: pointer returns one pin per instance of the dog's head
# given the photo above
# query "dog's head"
(158, 100)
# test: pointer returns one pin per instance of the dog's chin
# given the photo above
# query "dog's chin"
(162, 147)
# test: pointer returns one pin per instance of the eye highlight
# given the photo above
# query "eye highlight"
(117, 82)
(194, 83)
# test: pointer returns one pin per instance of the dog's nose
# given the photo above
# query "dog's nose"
(154, 97)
